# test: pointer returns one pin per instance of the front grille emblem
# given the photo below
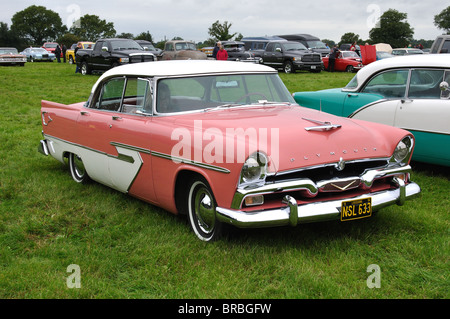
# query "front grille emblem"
(340, 165)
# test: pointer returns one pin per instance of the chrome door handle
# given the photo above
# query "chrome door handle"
(116, 118)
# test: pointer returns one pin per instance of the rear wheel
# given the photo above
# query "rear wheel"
(202, 211)
(77, 169)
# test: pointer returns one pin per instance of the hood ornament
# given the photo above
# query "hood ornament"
(340, 165)
(323, 126)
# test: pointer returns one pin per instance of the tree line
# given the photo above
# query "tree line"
(37, 24)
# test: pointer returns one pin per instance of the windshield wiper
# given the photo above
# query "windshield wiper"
(221, 106)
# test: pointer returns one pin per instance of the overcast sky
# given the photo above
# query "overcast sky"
(190, 19)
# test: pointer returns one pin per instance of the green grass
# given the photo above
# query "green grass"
(128, 249)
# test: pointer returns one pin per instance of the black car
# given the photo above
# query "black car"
(291, 56)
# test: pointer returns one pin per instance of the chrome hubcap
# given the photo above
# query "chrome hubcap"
(204, 210)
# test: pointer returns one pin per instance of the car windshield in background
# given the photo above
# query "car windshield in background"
(206, 92)
(350, 54)
(293, 46)
(125, 45)
(39, 50)
(185, 46)
(8, 51)
(51, 45)
(316, 45)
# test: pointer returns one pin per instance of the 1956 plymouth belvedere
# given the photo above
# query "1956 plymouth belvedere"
(224, 142)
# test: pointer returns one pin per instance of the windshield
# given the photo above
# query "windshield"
(125, 45)
(294, 46)
(185, 46)
(8, 51)
(50, 45)
(316, 45)
(206, 92)
(39, 50)
(350, 54)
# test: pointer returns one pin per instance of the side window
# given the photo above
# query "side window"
(278, 46)
(445, 47)
(390, 84)
(424, 84)
(111, 95)
(169, 47)
(270, 47)
(137, 98)
(436, 45)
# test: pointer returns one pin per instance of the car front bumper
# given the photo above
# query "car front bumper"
(292, 214)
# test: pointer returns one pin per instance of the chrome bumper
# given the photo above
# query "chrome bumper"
(292, 214)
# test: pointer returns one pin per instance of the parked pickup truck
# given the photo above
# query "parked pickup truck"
(108, 53)
(291, 56)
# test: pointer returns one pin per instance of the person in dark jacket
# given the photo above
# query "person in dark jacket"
(75, 54)
(332, 58)
(64, 49)
(58, 53)
(216, 49)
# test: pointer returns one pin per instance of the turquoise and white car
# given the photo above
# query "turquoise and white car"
(410, 92)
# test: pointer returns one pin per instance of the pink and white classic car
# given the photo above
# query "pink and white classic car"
(225, 143)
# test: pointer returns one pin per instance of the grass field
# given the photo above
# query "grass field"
(128, 249)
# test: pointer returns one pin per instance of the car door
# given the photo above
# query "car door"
(115, 132)
(269, 54)
(426, 114)
(379, 98)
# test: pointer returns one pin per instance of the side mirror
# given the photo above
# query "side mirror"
(105, 49)
(278, 49)
(444, 90)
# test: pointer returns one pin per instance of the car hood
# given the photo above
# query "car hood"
(291, 135)
(128, 52)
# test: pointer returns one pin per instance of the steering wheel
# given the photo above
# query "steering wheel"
(250, 94)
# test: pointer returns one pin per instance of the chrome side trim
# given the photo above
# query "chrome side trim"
(177, 159)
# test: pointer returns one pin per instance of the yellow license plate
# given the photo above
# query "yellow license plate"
(355, 209)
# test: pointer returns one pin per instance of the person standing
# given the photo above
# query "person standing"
(58, 53)
(222, 54)
(216, 49)
(332, 58)
(77, 69)
(64, 49)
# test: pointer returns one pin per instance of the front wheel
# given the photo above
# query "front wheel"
(85, 68)
(288, 67)
(77, 169)
(350, 69)
(202, 211)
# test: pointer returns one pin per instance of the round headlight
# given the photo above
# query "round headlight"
(403, 149)
(254, 168)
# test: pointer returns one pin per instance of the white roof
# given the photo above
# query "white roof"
(183, 67)
(422, 60)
